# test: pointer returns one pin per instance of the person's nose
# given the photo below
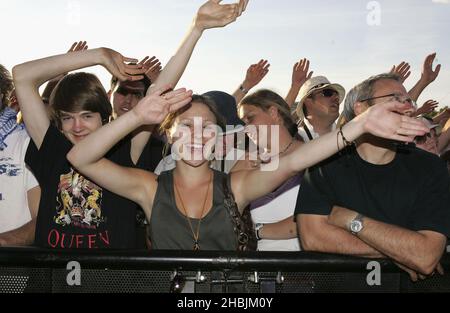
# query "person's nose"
(335, 96)
(77, 124)
(128, 98)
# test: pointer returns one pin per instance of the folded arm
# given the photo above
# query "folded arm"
(317, 234)
(417, 250)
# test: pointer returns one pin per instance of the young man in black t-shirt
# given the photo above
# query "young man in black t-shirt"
(377, 199)
(74, 212)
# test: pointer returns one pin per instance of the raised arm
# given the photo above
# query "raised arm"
(300, 74)
(426, 108)
(76, 46)
(30, 75)
(211, 14)
(427, 77)
(134, 184)
(379, 120)
(255, 73)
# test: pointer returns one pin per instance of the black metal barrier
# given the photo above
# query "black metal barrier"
(37, 270)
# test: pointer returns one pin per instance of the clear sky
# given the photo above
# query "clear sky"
(335, 35)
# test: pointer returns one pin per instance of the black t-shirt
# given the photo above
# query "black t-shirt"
(412, 191)
(75, 213)
(151, 155)
(149, 160)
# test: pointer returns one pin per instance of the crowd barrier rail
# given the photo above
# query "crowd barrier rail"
(33, 270)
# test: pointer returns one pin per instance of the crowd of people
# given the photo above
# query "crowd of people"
(149, 165)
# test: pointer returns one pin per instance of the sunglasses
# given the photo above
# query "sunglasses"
(126, 92)
(327, 92)
(422, 139)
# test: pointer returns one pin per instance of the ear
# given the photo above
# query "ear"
(273, 112)
(109, 93)
(360, 107)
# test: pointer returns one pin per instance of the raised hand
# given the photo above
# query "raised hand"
(154, 108)
(255, 73)
(427, 107)
(300, 73)
(402, 70)
(213, 14)
(428, 75)
(118, 65)
(152, 66)
(383, 120)
(78, 46)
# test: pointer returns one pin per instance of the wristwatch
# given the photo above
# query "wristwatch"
(241, 88)
(356, 225)
(258, 227)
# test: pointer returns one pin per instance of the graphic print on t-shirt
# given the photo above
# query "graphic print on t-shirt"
(8, 168)
(79, 202)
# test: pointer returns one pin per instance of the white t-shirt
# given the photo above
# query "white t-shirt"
(314, 135)
(277, 210)
(15, 181)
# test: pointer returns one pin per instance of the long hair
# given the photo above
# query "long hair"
(265, 99)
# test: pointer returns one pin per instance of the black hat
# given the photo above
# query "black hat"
(226, 105)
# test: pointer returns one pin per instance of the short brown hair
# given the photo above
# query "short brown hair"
(80, 92)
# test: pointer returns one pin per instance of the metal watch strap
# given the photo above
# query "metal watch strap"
(358, 218)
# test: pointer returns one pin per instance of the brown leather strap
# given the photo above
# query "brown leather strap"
(243, 225)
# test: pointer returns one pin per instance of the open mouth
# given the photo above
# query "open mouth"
(78, 137)
(194, 151)
(195, 147)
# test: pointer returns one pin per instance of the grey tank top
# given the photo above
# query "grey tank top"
(169, 228)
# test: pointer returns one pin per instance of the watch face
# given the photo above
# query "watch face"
(356, 226)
